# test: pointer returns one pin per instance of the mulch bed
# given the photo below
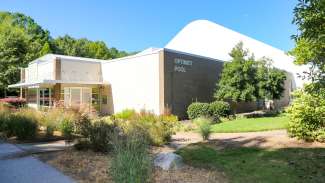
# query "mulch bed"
(89, 166)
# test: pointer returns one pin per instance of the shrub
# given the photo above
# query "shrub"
(14, 101)
(131, 161)
(307, 116)
(21, 126)
(4, 114)
(66, 127)
(204, 127)
(198, 109)
(51, 120)
(126, 114)
(159, 128)
(83, 125)
(100, 136)
(219, 109)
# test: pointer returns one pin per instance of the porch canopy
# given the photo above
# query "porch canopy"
(52, 82)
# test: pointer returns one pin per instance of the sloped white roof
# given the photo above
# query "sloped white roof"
(202, 37)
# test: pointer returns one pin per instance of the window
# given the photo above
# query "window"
(95, 98)
(77, 96)
(45, 97)
(104, 99)
(32, 96)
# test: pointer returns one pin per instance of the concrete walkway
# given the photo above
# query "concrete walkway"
(15, 167)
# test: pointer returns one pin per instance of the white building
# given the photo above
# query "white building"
(156, 79)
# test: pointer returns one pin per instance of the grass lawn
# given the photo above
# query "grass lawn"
(251, 124)
(260, 165)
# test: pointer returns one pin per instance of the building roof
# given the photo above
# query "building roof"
(52, 82)
(51, 57)
(202, 37)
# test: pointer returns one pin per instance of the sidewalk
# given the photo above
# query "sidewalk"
(17, 168)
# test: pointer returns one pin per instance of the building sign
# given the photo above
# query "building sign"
(181, 64)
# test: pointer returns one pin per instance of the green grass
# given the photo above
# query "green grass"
(260, 165)
(251, 124)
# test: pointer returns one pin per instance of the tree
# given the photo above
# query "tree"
(46, 49)
(21, 40)
(244, 79)
(309, 16)
(270, 80)
(68, 45)
(307, 119)
(238, 80)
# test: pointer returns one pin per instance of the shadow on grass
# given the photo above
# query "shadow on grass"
(252, 164)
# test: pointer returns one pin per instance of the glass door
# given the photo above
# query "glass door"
(45, 97)
(75, 97)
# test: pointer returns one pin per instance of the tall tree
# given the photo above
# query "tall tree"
(68, 45)
(244, 79)
(270, 80)
(21, 41)
(238, 78)
(309, 16)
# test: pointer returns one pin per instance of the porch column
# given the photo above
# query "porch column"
(56, 94)
(38, 98)
(21, 93)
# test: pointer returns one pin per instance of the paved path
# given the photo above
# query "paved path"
(44, 146)
(265, 139)
(17, 168)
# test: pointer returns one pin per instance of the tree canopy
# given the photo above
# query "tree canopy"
(67, 45)
(22, 40)
(309, 16)
(245, 79)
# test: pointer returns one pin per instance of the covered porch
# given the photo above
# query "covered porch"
(90, 96)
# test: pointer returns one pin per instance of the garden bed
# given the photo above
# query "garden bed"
(89, 166)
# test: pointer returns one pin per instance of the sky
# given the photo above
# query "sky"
(135, 25)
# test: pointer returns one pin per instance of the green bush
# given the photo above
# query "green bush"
(101, 135)
(307, 116)
(219, 109)
(126, 114)
(66, 127)
(21, 126)
(160, 128)
(51, 120)
(83, 125)
(198, 109)
(131, 161)
(204, 127)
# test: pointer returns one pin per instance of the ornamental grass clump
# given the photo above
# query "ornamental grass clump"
(22, 126)
(51, 120)
(131, 161)
(204, 127)
(159, 127)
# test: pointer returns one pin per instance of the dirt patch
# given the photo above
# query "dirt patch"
(268, 139)
(88, 166)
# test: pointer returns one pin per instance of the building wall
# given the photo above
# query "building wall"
(39, 71)
(72, 70)
(134, 82)
(187, 79)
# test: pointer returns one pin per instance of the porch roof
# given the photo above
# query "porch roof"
(52, 82)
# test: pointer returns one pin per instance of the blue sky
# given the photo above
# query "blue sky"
(136, 25)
